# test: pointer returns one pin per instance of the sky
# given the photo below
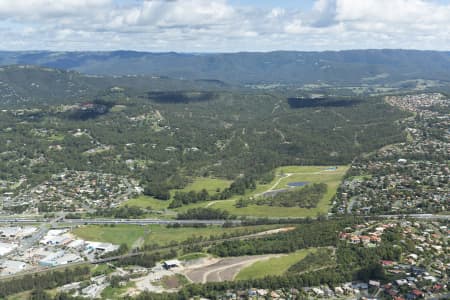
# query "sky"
(223, 25)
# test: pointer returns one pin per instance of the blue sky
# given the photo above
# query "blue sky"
(224, 25)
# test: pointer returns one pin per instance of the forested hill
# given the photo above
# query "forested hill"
(342, 67)
(27, 84)
(164, 131)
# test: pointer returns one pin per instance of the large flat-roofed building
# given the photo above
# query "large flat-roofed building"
(16, 232)
(59, 258)
(57, 240)
(6, 248)
(101, 247)
(76, 244)
(9, 267)
(50, 260)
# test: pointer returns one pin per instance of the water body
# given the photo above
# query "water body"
(297, 183)
(331, 169)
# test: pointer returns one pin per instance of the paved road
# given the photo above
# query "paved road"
(284, 176)
(116, 221)
(417, 216)
(145, 221)
(173, 221)
(39, 233)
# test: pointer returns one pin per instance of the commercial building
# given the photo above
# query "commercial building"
(6, 248)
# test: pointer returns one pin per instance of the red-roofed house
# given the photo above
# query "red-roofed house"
(417, 293)
(387, 263)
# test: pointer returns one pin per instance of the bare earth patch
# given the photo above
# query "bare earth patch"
(171, 282)
(214, 269)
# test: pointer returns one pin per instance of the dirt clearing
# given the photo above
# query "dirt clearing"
(213, 270)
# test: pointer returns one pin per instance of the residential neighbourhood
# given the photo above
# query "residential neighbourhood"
(400, 179)
(225, 149)
(72, 191)
(410, 177)
(421, 273)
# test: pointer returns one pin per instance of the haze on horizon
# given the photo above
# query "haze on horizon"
(224, 25)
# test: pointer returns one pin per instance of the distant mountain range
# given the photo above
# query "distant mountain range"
(341, 67)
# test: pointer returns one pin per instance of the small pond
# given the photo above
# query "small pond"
(297, 183)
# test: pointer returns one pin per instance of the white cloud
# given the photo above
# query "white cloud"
(324, 13)
(276, 13)
(216, 25)
(46, 8)
(174, 13)
(295, 27)
(392, 11)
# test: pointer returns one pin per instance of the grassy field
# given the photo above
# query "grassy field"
(192, 256)
(101, 269)
(56, 138)
(199, 183)
(20, 296)
(274, 266)
(284, 175)
(118, 108)
(117, 234)
(312, 174)
(146, 201)
(116, 293)
(210, 184)
(159, 234)
(163, 235)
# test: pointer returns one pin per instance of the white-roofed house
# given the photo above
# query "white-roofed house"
(173, 263)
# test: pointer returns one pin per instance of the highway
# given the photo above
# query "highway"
(100, 221)
(417, 216)
(115, 221)
(146, 221)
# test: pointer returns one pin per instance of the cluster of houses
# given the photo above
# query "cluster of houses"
(348, 290)
(345, 291)
(422, 270)
(369, 234)
(261, 294)
(417, 102)
(410, 177)
(421, 273)
(396, 187)
(73, 191)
